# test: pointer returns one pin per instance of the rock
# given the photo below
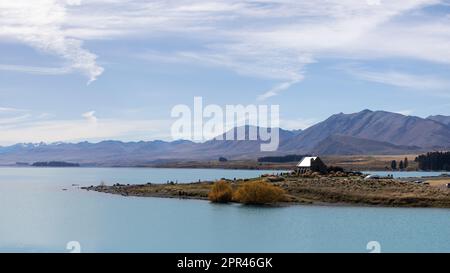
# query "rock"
(274, 179)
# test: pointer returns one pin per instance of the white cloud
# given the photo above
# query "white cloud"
(11, 110)
(277, 89)
(30, 128)
(36, 69)
(9, 115)
(272, 39)
(39, 24)
(90, 117)
(427, 83)
(13, 119)
(243, 59)
(23, 126)
(277, 40)
(406, 112)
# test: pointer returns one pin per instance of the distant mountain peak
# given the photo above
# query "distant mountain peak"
(438, 116)
(441, 119)
(379, 126)
(32, 145)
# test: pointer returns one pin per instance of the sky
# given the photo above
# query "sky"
(75, 70)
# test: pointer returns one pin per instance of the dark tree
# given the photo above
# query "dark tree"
(434, 161)
(405, 164)
(335, 169)
(222, 159)
(281, 159)
(394, 165)
(55, 164)
(401, 166)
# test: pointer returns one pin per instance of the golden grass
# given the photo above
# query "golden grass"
(368, 162)
(439, 182)
(258, 193)
(221, 192)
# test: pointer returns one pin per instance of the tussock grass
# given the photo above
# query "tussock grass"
(221, 192)
(258, 193)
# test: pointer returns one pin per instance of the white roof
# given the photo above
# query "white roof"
(306, 161)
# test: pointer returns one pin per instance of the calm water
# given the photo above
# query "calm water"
(407, 174)
(36, 215)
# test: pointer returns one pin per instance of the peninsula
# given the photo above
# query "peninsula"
(312, 188)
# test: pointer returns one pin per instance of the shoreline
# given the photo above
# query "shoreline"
(218, 168)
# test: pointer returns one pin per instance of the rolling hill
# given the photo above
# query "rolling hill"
(348, 145)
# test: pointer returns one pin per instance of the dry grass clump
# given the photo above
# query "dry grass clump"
(258, 193)
(221, 192)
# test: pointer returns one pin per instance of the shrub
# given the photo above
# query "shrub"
(258, 193)
(335, 169)
(221, 192)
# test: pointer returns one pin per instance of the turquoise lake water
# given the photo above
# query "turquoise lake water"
(36, 215)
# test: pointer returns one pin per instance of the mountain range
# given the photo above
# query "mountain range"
(363, 133)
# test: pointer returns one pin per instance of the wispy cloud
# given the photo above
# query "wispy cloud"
(277, 89)
(90, 117)
(243, 59)
(14, 119)
(40, 24)
(277, 40)
(271, 39)
(10, 110)
(401, 79)
(36, 69)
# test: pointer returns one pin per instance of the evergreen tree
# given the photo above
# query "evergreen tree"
(405, 164)
(222, 159)
(434, 161)
(401, 166)
(394, 165)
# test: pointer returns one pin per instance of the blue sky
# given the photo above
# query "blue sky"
(107, 69)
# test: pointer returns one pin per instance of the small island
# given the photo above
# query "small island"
(55, 164)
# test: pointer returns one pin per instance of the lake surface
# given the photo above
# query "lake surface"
(36, 215)
(406, 174)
